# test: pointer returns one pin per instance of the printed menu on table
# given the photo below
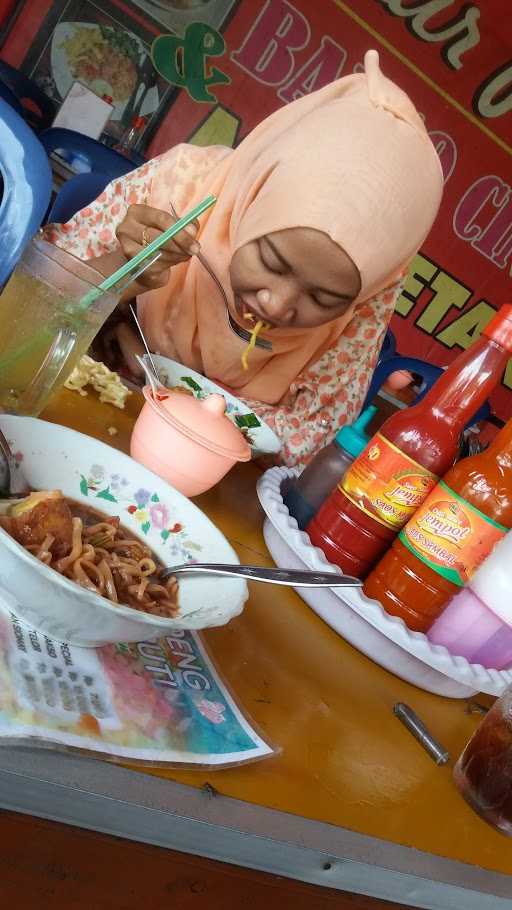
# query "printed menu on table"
(159, 702)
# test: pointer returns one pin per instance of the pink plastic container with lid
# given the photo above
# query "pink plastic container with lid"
(477, 623)
(189, 442)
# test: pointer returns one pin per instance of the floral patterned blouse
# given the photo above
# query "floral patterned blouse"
(324, 397)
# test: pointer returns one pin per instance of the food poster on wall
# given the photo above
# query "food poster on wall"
(105, 48)
(452, 57)
(158, 702)
(175, 15)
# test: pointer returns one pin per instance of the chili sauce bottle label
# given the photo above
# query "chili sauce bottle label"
(386, 484)
(450, 535)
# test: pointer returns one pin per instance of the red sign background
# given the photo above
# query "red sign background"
(453, 58)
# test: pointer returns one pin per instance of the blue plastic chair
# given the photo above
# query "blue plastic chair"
(99, 157)
(75, 194)
(388, 348)
(428, 373)
(25, 89)
(26, 186)
(10, 97)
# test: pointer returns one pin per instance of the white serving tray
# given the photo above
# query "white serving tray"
(363, 622)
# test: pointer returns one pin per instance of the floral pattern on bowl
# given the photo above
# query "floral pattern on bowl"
(261, 438)
(92, 473)
(145, 507)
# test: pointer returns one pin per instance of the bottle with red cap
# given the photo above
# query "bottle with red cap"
(402, 463)
(131, 136)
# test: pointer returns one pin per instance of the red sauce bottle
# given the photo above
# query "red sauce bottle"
(402, 463)
(449, 536)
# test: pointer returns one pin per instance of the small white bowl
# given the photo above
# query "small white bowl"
(363, 622)
(56, 458)
(262, 440)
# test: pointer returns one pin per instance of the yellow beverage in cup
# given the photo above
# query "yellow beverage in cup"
(43, 330)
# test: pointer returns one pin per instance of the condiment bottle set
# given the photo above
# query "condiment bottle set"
(417, 527)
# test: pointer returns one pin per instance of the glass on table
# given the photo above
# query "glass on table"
(44, 331)
(483, 773)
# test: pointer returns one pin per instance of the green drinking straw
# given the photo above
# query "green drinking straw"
(148, 250)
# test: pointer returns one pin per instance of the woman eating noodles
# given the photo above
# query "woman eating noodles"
(319, 212)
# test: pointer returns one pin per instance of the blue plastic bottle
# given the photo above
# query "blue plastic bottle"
(306, 493)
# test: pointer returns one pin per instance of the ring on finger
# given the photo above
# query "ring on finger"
(145, 238)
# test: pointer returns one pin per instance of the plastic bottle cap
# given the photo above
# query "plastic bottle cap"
(353, 439)
(500, 327)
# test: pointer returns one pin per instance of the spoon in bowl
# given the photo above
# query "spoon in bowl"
(294, 577)
(159, 390)
(13, 483)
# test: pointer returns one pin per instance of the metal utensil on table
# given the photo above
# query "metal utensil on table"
(412, 722)
(13, 483)
(292, 577)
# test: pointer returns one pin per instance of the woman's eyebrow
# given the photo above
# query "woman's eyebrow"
(276, 252)
(286, 265)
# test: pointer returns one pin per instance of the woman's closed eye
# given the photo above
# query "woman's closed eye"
(330, 301)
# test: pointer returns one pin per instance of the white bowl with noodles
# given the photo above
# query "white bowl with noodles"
(262, 440)
(97, 476)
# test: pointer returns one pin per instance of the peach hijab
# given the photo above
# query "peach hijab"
(345, 160)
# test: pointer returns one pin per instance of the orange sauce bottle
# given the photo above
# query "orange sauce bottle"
(402, 463)
(449, 536)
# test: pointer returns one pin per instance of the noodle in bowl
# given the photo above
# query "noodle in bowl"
(98, 478)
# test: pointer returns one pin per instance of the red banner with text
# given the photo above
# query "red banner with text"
(452, 56)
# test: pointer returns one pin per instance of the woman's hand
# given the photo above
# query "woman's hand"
(140, 226)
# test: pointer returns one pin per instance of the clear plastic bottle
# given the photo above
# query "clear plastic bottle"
(306, 493)
(131, 136)
(477, 623)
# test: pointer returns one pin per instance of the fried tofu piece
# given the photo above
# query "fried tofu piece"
(31, 520)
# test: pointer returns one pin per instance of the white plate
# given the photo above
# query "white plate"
(262, 439)
(56, 458)
(64, 76)
(363, 622)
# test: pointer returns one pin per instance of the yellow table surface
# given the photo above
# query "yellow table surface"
(343, 757)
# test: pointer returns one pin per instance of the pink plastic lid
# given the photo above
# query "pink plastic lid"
(204, 421)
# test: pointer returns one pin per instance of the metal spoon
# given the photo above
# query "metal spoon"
(159, 390)
(13, 482)
(148, 355)
(293, 577)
